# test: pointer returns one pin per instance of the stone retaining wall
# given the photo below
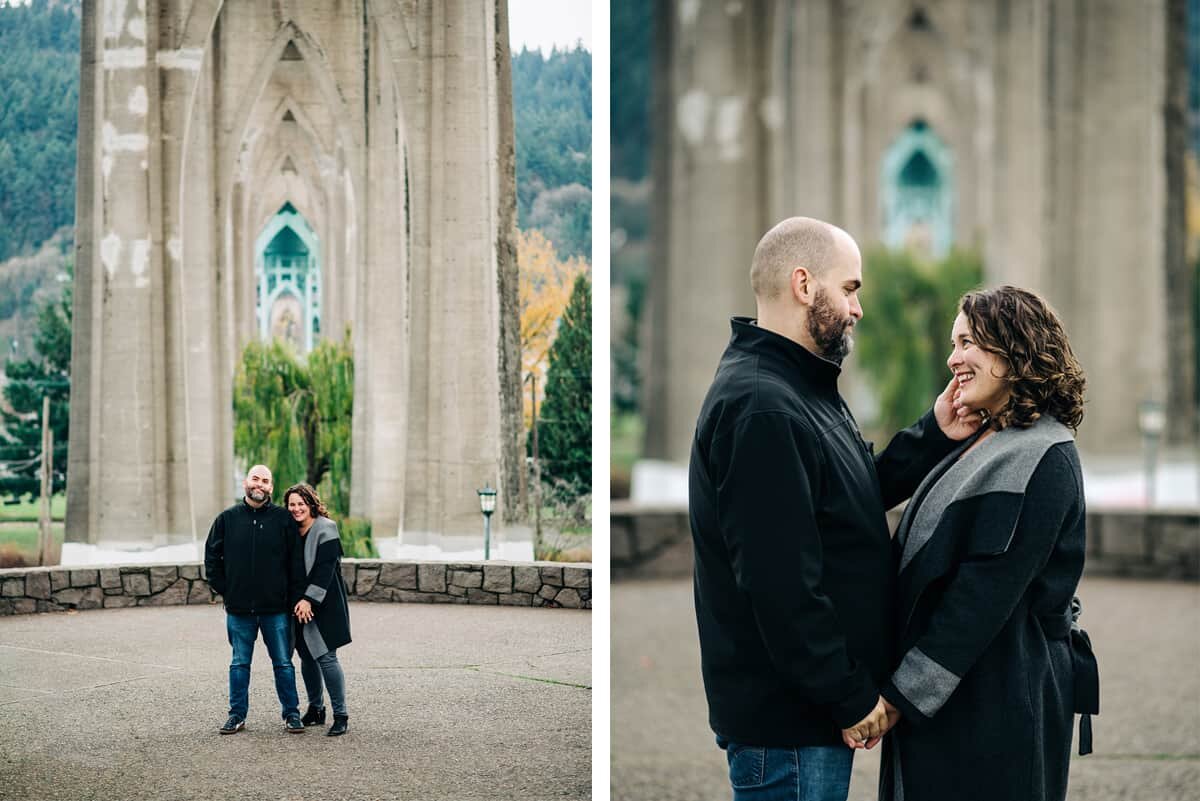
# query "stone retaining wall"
(54, 589)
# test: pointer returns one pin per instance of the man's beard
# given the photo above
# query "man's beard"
(258, 495)
(830, 332)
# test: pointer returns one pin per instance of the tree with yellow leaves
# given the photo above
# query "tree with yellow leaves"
(545, 289)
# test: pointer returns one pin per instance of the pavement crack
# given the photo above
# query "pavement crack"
(27, 689)
(84, 656)
(532, 678)
(81, 689)
(422, 667)
(1146, 757)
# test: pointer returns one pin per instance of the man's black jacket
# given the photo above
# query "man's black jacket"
(255, 559)
(793, 567)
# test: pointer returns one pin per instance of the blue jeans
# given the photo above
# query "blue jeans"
(811, 773)
(276, 634)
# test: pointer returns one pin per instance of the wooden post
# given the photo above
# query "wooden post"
(44, 533)
(537, 477)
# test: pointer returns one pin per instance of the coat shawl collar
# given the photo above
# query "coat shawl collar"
(1003, 463)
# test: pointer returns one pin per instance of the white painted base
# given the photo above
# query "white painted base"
(502, 551)
(81, 553)
(1106, 482)
(656, 483)
(510, 543)
(1123, 483)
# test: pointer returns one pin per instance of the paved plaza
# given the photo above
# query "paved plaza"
(1147, 738)
(446, 702)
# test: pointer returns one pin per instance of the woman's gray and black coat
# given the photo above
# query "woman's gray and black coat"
(330, 626)
(991, 664)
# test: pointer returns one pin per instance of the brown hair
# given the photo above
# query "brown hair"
(309, 496)
(1043, 374)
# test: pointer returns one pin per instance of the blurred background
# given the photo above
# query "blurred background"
(1049, 145)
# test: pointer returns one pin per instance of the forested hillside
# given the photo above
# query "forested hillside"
(552, 105)
(39, 88)
(39, 99)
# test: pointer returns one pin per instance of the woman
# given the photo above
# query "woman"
(322, 615)
(990, 551)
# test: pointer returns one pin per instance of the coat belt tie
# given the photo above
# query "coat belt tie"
(1065, 626)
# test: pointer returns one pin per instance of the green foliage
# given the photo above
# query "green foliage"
(295, 418)
(909, 306)
(356, 538)
(552, 117)
(630, 69)
(565, 424)
(1196, 331)
(49, 373)
(39, 70)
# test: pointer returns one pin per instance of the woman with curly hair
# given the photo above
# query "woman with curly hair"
(991, 663)
(322, 615)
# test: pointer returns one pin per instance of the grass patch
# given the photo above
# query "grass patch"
(28, 510)
(626, 447)
(18, 543)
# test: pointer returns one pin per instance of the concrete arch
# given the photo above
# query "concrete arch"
(254, 88)
(307, 159)
(396, 147)
(313, 203)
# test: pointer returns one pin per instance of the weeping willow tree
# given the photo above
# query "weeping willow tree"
(295, 417)
(903, 339)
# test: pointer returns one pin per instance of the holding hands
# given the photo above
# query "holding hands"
(870, 730)
(303, 611)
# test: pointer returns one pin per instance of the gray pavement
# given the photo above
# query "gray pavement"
(446, 702)
(1147, 739)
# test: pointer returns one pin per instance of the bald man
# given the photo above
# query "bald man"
(254, 558)
(793, 567)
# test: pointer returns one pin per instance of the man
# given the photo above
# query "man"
(793, 566)
(254, 559)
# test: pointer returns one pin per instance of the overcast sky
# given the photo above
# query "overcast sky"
(546, 23)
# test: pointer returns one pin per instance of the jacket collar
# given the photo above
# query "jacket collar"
(748, 336)
(265, 507)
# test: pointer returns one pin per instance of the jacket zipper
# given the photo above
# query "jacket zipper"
(253, 554)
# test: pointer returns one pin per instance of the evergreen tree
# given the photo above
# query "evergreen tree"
(296, 417)
(903, 340)
(28, 381)
(565, 422)
(630, 68)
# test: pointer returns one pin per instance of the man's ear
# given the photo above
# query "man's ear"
(803, 288)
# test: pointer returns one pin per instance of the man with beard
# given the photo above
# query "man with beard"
(793, 568)
(254, 558)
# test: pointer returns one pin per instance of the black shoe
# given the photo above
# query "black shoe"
(233, 725)
(341, 724)
(314, 716)
(293, 725)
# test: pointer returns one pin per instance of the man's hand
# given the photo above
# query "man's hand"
(868, 731)
(893, 717)
(303, 610)
(956, 421)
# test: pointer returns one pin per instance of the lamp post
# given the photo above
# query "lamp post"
(1152, 419)
(487, 505)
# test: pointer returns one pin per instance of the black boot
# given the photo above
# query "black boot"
(339, 727)
(313, 716)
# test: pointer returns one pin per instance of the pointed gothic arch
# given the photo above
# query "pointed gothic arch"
(359, 134)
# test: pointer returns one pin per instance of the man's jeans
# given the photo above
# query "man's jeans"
(276, 634)
(813, 773)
